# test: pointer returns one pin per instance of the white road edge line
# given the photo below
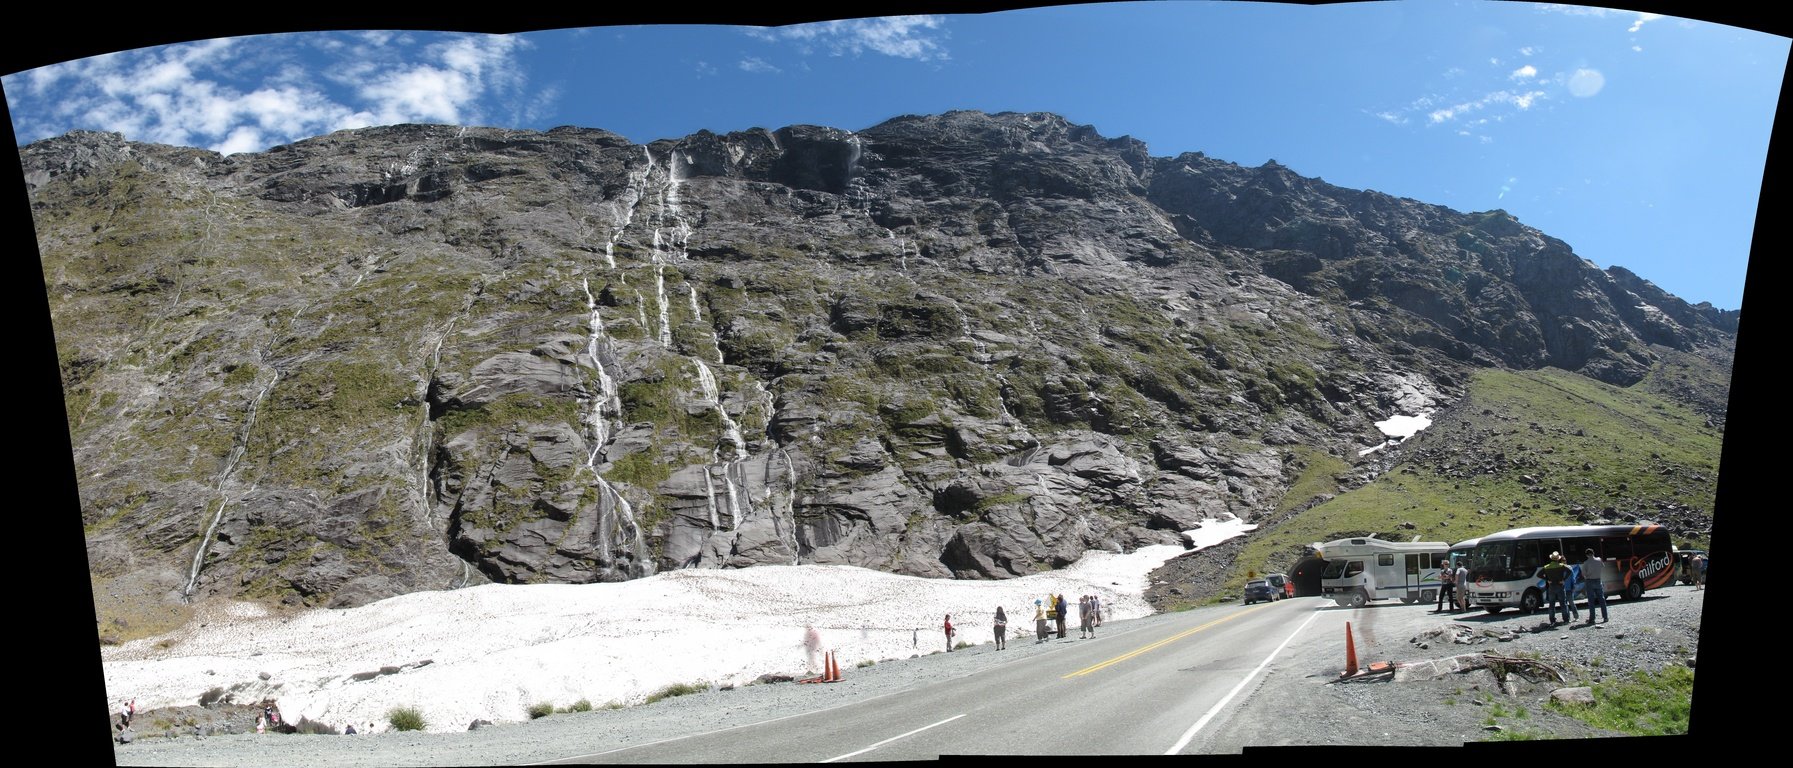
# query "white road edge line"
(891, 739)
(1190, 734)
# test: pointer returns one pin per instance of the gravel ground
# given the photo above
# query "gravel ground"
(1660, 630)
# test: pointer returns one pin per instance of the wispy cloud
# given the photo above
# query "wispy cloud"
(907, 37)
(1575, 10)
(1528, 50)
(1638, 18)
(1641, 19)
(758, 65)
(1521, 100)
(245, 94)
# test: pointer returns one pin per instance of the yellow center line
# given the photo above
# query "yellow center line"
(1160, 643)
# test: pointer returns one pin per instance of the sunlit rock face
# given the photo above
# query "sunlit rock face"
(963, 345)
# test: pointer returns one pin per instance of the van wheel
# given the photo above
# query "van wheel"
(1531, 601)
(1358, 599)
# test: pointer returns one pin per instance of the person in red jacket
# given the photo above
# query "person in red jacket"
(949, 632)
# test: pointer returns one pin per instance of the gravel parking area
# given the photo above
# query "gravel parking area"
(1420, 706)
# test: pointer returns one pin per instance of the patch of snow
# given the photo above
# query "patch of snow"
(494, 650)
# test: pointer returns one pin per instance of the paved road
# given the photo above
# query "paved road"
(1156, 689)
(1210, 680)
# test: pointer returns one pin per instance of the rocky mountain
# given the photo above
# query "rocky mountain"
(970, 345)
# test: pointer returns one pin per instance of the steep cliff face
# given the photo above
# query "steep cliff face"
(969, 345)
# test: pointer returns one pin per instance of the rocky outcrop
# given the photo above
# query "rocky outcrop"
(970, 345)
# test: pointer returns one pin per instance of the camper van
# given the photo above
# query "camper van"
(1359, 570)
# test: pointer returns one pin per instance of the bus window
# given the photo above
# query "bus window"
(1615, 547)
(1576, 548)
(1526, 556)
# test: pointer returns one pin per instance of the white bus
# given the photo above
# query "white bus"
(1359, 570)
(1503, 567)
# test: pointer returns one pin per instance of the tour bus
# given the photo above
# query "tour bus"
(1503, 567)
(1359, 570)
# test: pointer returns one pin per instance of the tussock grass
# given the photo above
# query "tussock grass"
(676, 689)
(540, 710)
(406, 719)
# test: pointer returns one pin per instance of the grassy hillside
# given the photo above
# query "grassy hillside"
(1522, 448)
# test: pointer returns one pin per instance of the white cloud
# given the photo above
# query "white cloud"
(705, 69)
(1586, 82)
(1637, 48)
(235, 96)
(1641, 19)
(1527, 51)
(1574, 10)
(906, 37)
(756, 64)
(1522, 73)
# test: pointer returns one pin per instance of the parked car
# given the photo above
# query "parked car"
(1260, 590)
(1684, 564)
(1284, 586)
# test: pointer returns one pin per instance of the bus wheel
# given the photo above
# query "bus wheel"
(1635, 591)
(1531, 601)
(1358, 599)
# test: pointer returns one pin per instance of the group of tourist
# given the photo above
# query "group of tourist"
(1049, 611)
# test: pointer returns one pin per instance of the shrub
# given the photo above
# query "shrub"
(676, 689)
(406, 719)
(540, 710)
(866, 663)
(582, 705)
(316, 728)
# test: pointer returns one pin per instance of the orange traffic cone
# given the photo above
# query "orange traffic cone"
(1350, 652)
(833, 669)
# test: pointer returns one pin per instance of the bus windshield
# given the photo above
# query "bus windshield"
(1504, 560)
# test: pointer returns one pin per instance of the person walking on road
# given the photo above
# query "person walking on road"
(1001, 625)
(1592, 572)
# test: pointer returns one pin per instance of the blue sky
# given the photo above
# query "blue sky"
(1638, 139)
